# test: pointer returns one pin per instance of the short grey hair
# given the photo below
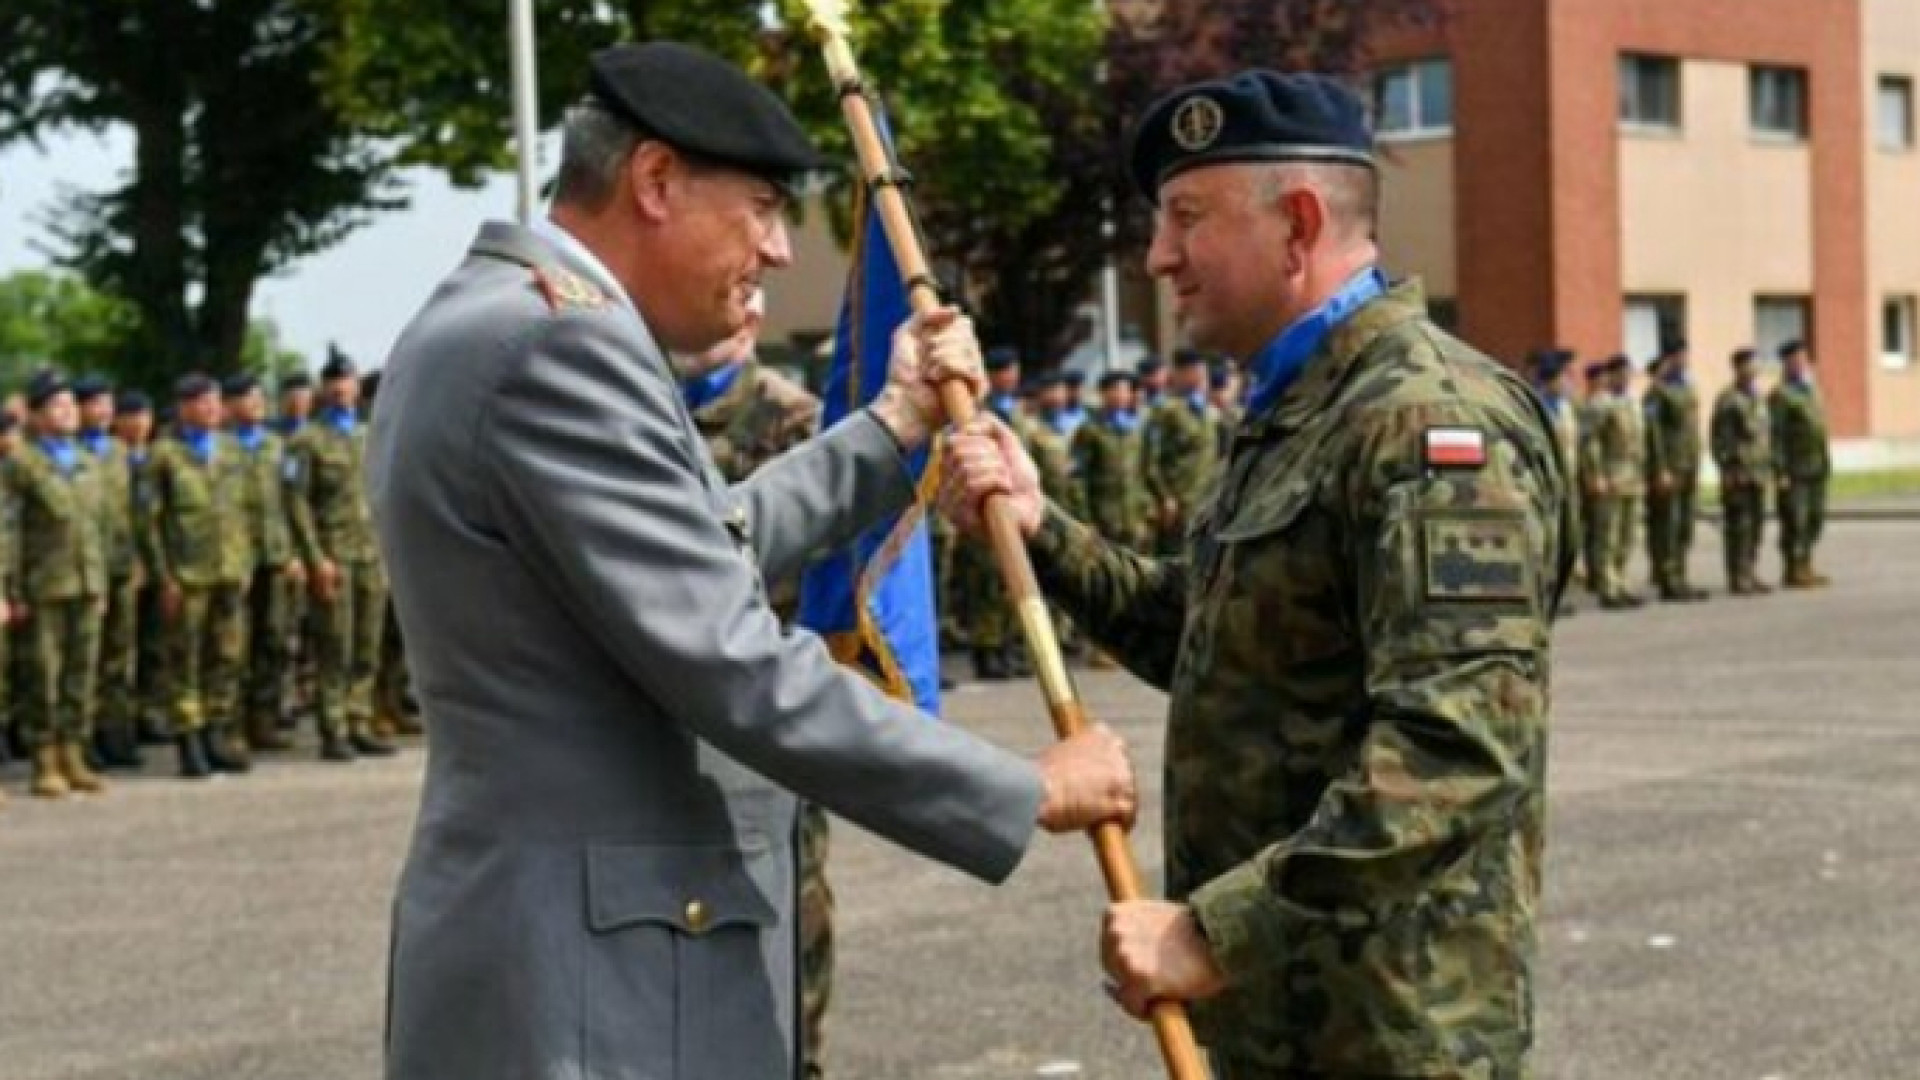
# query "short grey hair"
(1351, 192)
(594, 146)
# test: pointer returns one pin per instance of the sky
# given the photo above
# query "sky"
(359, 294)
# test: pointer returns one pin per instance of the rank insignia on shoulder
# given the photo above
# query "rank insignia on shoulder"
(1454, 448)
(565, 289)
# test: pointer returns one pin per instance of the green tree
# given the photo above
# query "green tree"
(58, 320)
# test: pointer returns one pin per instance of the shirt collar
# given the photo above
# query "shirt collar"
(580, 253)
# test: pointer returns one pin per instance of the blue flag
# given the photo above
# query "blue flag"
(874, 603)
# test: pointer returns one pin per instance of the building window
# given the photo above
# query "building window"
(1778, 320)
(1894, 115)
(1652, 324)
(1779, 102)
(1896, 332)
(1649, 91)
(1415, 100)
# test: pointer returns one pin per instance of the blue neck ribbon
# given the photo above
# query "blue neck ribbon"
(1121, 420)
(248, 436)
(341, 420)
(97, 441)
(1197, 401)
(1279, 364)
(1003, 404)
(701, 390)
(63, 451)
(199, 442)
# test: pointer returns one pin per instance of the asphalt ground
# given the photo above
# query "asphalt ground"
(1733, 858)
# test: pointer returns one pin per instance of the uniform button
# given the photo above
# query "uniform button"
(696, 915)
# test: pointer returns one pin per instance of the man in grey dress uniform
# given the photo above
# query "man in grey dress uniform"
(601, 877)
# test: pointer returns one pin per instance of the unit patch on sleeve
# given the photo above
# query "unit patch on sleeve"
(1477, 558)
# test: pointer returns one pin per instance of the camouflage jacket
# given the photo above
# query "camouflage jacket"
(1799, 432)
(1567, 420)
(1742, 441)
(1107, 461)
(1356, 648)
(1181, 455)
(119, 524)
(1673, 430)
(1614, 449)
(327, 496)
(265, 501)
(9, 538)
(59, 554)
(195, 525)
(1053, 458)
(758, 418)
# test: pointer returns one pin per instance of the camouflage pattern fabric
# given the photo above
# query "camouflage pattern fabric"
(1673, 478)
(1356, 648)
(116, 690)
(267, 656)
(327, 506)
(758, 418)
(1742, 443)
(60, 574)
(1802, 461)
(1614, 456)
(1181, 445)
(1107, 460)
(197, 538)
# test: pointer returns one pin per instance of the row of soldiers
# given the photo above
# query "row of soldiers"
(1136, 467)
(163, 582)
(1639, 459)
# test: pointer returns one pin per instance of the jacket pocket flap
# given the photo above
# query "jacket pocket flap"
(692, 888)
(1268, 510)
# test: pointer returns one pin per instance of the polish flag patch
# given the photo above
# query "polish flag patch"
(1456, 448)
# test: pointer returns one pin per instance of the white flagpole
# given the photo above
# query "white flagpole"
(525, 104)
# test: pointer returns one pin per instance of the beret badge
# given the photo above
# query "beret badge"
(1197, 123)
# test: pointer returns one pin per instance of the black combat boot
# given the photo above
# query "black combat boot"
(334, 748)
(217, 744)
(193, 757)
(989, 665)
(367, 744)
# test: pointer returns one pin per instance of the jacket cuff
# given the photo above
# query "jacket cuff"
(1239, 917)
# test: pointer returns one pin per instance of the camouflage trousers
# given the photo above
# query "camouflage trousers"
(152, 633)
(816, 939)
(62, 661)
(1803, 514)
(118, 689)
(347, 634)
(269, 656)
(1592, 572)
(207, 648)
(1670, 516)
(1743, 521)
(1614, 519)
(1225, 1069)
(989, 621)
(390, 683)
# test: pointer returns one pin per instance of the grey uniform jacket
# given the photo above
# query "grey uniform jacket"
(601, 878)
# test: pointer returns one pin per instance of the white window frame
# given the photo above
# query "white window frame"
(1417, 73)
(1896, 88)
(1759, 78)
(1631, 100)
(1898, 314)
(1777, 319)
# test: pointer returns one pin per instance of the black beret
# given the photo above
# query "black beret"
(1674, 348)
(1190, 358)
(1254, 116)
(88, 387)
(239, 384)
(1075, 378)
(1619, 362)
(1549, 363)
(1045, 381)
(299, 380)
(1742, 357)
(1789, 348)
(338, 366)
(192, 385)
(1002, 357)
(1219, 377)
(133, 401)
(1149, 366)
(1596, 369)
(45, 386)
(699, 103)
(1115, 378)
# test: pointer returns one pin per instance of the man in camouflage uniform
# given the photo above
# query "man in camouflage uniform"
(1224, 386)
(9, 585)
(750, 414)
(200, 549)
(1673, 473)
(1357, 642)
(333, 535)
(152, 702)
(1743, 452)
(1149, 384)
(116, 691)
(1613, 466)
(1107, 459)
(1550, 379)
(277, 572)
(990, 629)
(1181, 444)
(294, 410)
(1802, 464)
(62, 582)
(393, 715)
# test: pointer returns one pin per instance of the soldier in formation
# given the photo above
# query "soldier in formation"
(1613, 467)
(1802, 464)
(1742, 444)
(1181, 441)
(1673, 472)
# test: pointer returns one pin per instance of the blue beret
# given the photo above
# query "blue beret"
(299, 380)
(239, 384)
(1254, 116)
(46, 385)
(699, 103)
(1002, 357)
(133, 401)
(88, 387)
(1114, 378)
(192, 385)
